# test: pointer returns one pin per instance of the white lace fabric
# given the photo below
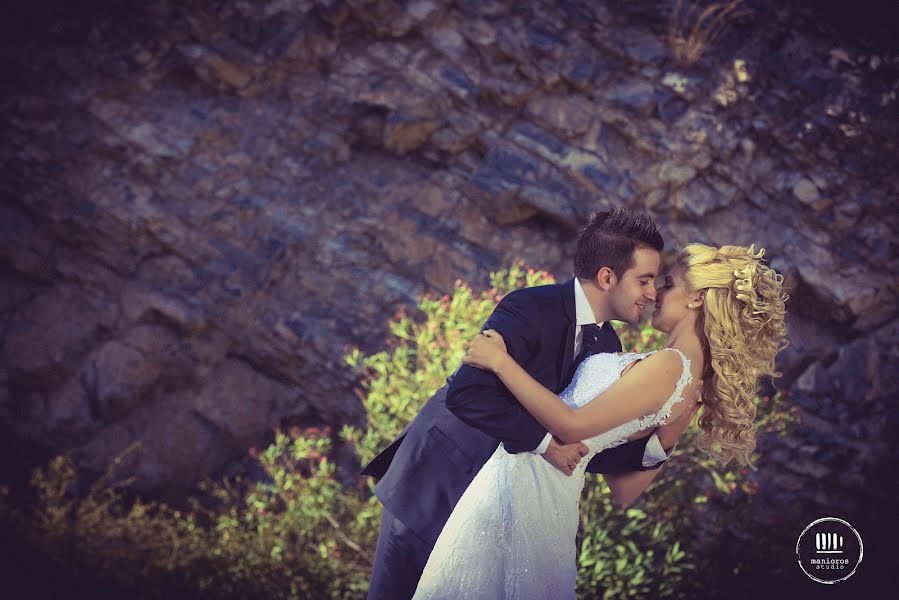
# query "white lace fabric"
(512, 534)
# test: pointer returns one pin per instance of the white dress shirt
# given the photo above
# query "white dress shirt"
(654, 452)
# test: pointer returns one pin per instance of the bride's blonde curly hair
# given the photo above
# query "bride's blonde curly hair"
(741, 326)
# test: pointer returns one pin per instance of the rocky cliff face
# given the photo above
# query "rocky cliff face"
(206, 205)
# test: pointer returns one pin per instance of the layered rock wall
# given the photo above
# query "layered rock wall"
(205, 205)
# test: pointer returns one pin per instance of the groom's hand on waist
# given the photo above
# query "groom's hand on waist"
(565, 457)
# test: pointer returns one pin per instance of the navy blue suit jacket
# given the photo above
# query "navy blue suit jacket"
(423, 473)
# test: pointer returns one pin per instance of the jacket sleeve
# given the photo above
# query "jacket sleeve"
(622, 459)
(480, 399)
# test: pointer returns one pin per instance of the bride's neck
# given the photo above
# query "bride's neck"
(684, 338)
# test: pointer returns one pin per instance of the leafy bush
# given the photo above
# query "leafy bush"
(115, 538)
(293, 535)
(424, 350)
(644, 551)
(299, 534)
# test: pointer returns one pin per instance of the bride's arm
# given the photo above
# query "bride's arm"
(640, 391)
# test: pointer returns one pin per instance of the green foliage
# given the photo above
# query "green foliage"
(299, 534)
(104, 532)
(425, 349)
(633, 552)
(637, 552)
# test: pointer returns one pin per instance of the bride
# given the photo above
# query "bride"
(512, 533)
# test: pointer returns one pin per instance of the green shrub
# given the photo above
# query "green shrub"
(424, 350)
(643, 551)
(300, 534)
(106, 532)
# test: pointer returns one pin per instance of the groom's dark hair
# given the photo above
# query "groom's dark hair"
(609, 240)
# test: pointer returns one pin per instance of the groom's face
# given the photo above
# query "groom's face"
(636, 286)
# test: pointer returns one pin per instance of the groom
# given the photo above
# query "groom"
(549, 330)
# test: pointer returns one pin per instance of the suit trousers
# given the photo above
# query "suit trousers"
(400, 559)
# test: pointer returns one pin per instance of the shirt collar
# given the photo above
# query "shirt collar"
(583, 311)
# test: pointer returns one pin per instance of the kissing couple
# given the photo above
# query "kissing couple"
(480, 491)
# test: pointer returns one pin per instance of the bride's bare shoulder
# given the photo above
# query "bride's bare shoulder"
(664, 364)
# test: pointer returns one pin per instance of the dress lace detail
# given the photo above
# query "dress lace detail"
(512, 534)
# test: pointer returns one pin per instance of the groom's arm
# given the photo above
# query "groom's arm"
(629, 457)
(481, 400)
(656, 448)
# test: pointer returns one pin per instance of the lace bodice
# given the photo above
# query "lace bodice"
(598, 373)
(512, 533)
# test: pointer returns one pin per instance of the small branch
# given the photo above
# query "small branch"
(347, 540)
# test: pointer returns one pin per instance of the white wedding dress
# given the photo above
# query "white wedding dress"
(512, 533)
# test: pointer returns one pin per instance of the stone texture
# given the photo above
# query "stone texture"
(407, 128)
(698, 199)
(815, 380)
(568, 115)
(204, 211)
(48, 335)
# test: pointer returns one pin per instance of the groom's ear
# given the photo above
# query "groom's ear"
(605, 278)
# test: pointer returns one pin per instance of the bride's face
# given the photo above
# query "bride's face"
(672, 299)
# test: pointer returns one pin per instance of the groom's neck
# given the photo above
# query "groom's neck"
(598, 299)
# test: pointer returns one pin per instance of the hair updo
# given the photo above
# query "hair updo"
(742, 329)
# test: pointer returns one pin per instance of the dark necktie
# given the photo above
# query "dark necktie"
(589, 343)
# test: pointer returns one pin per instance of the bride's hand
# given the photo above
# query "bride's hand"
(487, 351)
